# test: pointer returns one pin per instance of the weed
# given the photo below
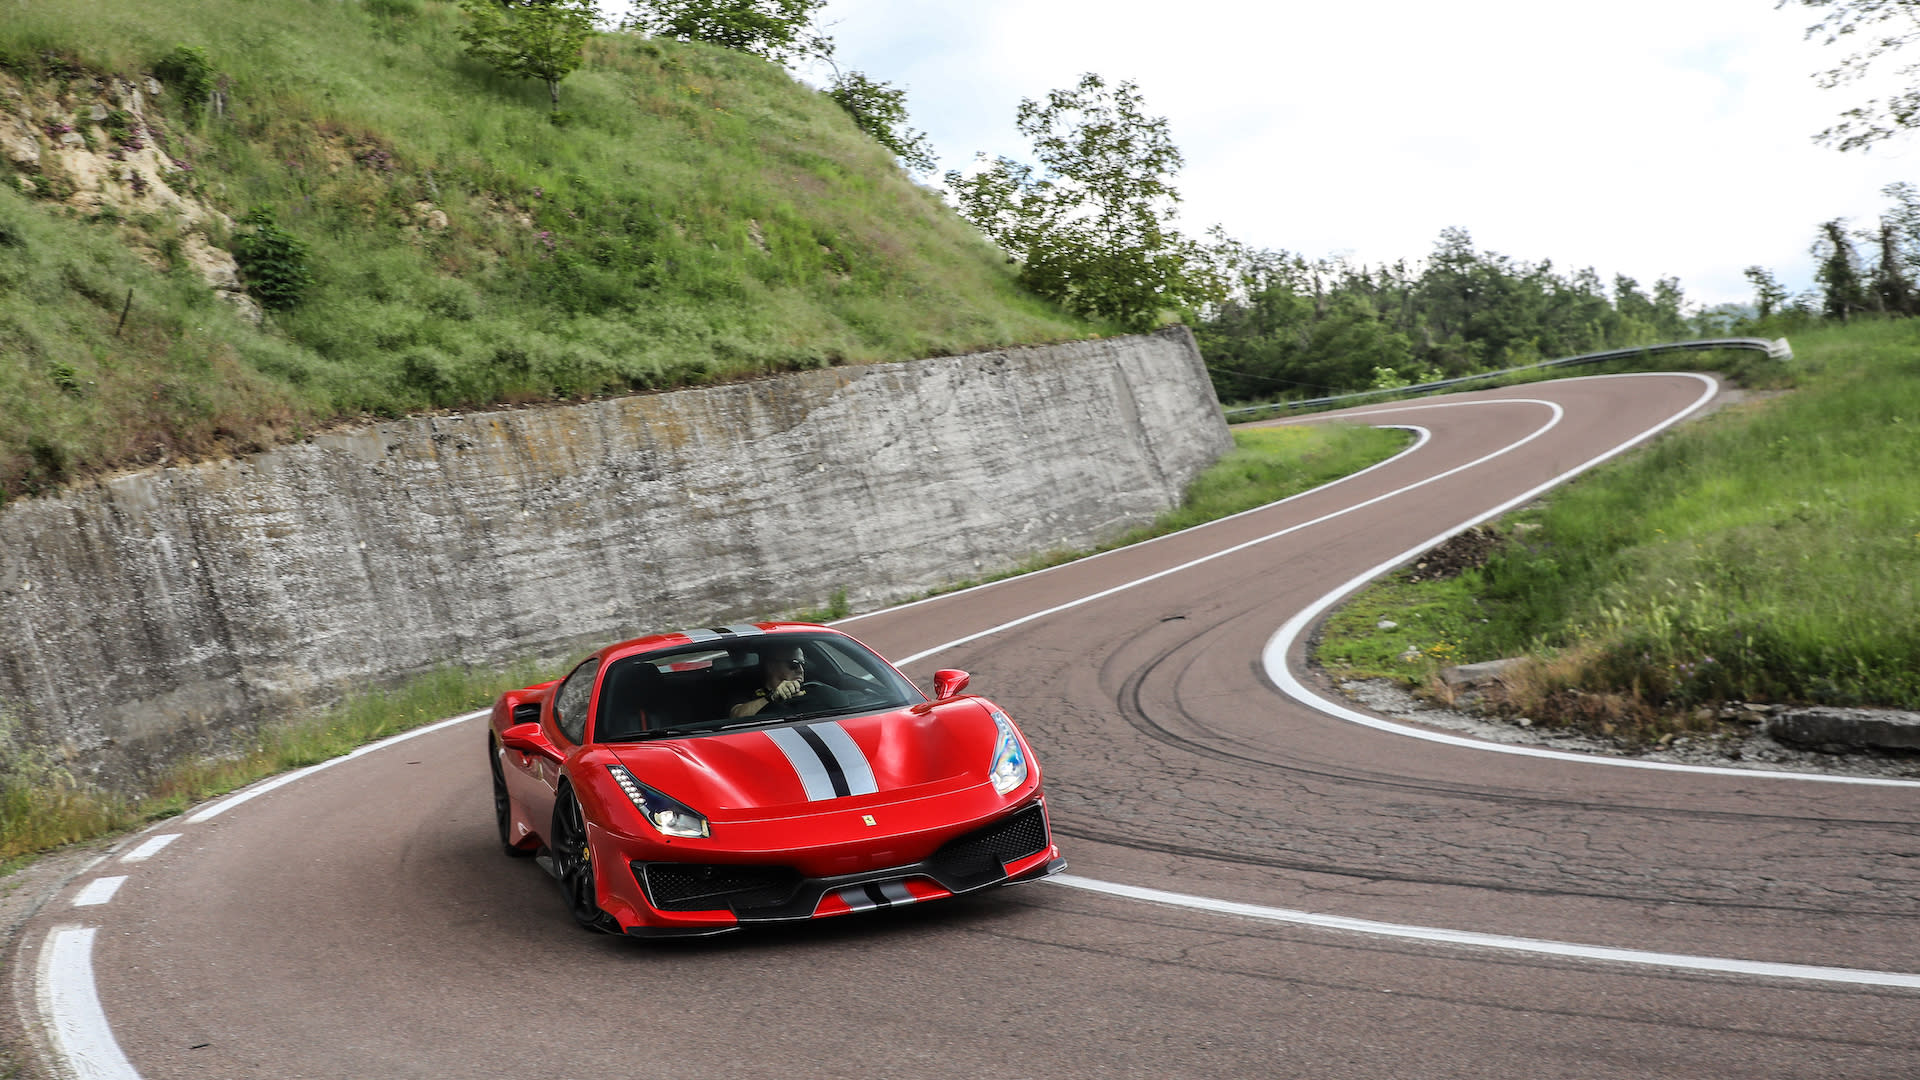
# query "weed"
(837, 608)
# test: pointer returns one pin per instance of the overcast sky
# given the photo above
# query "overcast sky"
(1643, 137)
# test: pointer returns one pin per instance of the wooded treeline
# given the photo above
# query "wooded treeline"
(1296, 328)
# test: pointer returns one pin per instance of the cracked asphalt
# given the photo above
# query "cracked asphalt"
(361, 923)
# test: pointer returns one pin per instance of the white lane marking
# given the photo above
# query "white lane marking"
(215, 810)
(1274, 657)
(1682, 961)
(1556, 414)
(151, 848)
(99, 891)
(81, 1035)
(1422, 436)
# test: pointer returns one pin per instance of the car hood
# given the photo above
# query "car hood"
(792, 765)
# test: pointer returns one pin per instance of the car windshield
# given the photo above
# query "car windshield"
(746, 681)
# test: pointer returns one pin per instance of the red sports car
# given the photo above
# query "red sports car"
(692, 783)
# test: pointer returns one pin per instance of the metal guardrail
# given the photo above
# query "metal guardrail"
(1777, 349)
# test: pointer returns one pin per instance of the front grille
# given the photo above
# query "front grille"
(703, 887)
(989, 850)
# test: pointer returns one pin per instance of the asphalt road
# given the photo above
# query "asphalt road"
(359, 922)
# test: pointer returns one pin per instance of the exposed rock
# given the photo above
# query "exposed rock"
(1485, 673)
(19, 144)
(131, 177)
(1822, 726)
(1749, 749)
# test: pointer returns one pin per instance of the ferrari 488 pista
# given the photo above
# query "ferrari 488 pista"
(695, 782)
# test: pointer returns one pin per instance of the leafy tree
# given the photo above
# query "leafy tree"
(1890, 288)
(1844, 293)
(1769, 295)
(533, 39)
(1292, 327)
(1881, 27)
(780, 30)
(1094, 231)
(881, 111)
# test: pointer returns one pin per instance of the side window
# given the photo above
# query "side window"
(570, 701)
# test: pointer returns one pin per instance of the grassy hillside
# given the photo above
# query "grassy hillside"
(1770, 552)
(699, 215)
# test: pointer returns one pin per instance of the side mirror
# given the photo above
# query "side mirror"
(528, 739)
(947, 682)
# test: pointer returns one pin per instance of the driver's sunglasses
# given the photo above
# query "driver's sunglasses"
(797, 663)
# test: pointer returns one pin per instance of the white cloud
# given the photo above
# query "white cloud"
(1643, 137)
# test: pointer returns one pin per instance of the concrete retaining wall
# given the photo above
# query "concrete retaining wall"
(156, 614)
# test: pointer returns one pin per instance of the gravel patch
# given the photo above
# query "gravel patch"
(1750, 749)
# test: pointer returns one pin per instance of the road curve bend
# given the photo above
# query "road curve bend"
(1261, 886)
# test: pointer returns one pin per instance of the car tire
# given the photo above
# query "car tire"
(502, 804)
(573, 864)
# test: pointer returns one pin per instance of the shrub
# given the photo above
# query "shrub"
(272, 261)
(188, 73)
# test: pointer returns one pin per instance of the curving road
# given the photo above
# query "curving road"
(1258, 888)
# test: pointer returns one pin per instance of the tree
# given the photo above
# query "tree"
(1769, 295)
(1885, 26)
(533, 39)
(1892, 292)
(1093, 232)
(881, 111)
(1838, 272)
(780, 30)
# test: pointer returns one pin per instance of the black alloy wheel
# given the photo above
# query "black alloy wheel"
(573, 864)
(502, 807)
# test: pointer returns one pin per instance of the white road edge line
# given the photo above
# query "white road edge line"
(1681, 961)
(75, 1021)
(1274, 657)
(207, 813)
(99, 891)
(150, 848)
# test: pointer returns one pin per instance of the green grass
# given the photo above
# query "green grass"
(702, 217)
(42, 807)
(1766, 553)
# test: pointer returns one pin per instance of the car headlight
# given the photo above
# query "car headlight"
(1009, 767)
(671, 816)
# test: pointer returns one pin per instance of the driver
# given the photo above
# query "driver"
(784, 686)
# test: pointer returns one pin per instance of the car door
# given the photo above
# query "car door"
(563, 723)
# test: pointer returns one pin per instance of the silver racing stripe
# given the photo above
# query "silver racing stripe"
(827, 760)
(853, 763)
(813, 774)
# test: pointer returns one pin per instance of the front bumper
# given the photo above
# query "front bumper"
(678, 899)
